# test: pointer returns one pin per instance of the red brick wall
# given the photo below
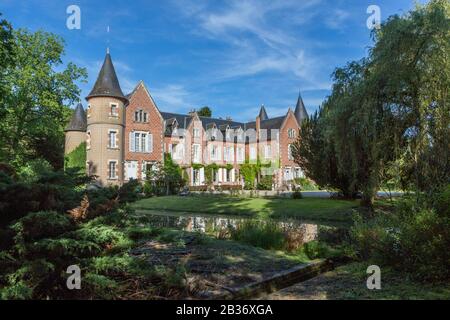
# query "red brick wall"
(290, 123)
(141, 100)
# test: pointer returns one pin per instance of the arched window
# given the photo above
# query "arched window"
(291, 133)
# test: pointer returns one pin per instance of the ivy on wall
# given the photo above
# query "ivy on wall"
(210, 169)
(76, 158)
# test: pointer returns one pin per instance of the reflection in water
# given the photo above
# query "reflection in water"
(221, 227)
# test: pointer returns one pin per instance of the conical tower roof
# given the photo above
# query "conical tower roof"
(78, 122)
(263, 114)
(107, 84)
(300, 110)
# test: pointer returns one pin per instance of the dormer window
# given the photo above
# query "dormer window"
(291, 133)
(140, 116)
(196, 133)
(114, 110)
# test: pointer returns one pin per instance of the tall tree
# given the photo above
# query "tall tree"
(6, 58)
(391, 108)
(38, 93)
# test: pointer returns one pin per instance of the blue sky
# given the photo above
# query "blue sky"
(230, 55)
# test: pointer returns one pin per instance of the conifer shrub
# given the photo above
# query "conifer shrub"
(42, 224)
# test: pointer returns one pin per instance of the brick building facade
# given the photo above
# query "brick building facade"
(127, 134)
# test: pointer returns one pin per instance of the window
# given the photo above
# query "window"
(131, 170)
(287, 174)
(196, 177)
(114, 110)
(252, 153)
(228, 175)
(89, 167)
(215, 153)
(179, 151)
(145, 168)
(112, 169)
(290, 156)
(141, 142)
(140, 116)
(89, 111)
(291, 133)
(267, 152)
(240, 154)
(196, 133)
(88, 140)
(112, 139)
(196, 153)
(228, 154)
(298, 173)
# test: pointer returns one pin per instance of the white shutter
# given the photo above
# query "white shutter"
(202, 175)
(143, 170)
(131, 141)
(233, 173)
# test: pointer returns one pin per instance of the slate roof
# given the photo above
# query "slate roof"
(263, 113)
(78, 122)
(107, 84)
(183, 121)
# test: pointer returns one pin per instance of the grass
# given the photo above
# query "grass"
(351, 284)
(263, 208)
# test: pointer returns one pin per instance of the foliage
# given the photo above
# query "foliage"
(265, 183)
(249, 172)
(210, 170)
(315, 153)
(165, 179)
(387, 110)
(414, 238)
(130, 191)
(77, 158)
(58, 191)
(33, 169)
(305, 184)
(265, 235)
(37, 94)
(297, 194)
(38, 225)
(6, 57)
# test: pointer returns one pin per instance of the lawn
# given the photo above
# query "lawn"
(305, 209)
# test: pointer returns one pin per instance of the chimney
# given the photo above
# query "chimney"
(258, 126)
(192, 112)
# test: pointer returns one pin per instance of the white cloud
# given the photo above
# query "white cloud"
(172, 98)
(336, 20)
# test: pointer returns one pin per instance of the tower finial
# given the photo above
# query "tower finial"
(107, 40)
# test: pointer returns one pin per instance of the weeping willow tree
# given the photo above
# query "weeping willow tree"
(388, 109)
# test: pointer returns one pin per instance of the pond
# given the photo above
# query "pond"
(222, 226)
